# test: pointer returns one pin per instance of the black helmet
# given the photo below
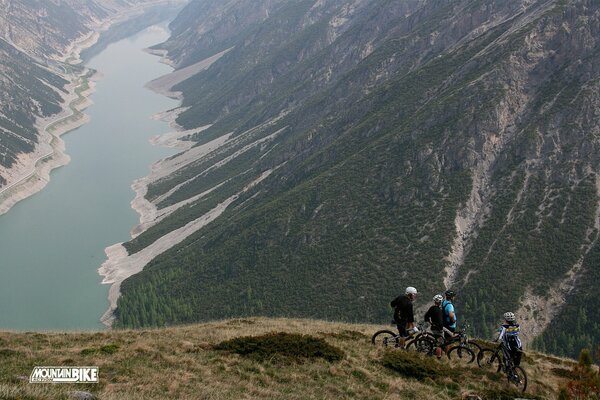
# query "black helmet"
(450, 294)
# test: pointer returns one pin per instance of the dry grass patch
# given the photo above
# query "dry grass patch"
(182, 363)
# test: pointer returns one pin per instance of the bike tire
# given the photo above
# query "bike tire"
(461, 354)
(385, 338)
(521, 383)
(412, 340)
(475, 348)
(423, 345)
(489, 360)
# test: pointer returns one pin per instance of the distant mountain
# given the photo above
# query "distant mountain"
(350, 148)
(35, 37)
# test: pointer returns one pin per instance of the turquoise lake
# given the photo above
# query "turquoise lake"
(52, 243)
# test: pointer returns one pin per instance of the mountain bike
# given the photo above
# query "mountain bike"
(387, 338)
(465, 351)
(499, 359)
(457, 344)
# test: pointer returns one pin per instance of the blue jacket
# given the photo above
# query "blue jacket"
(447, 308)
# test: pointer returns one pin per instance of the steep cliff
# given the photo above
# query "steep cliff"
(341, 150)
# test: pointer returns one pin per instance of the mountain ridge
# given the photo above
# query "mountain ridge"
(417, 143)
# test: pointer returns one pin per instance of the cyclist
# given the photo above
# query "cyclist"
(404, 314)
(449, 312)
(449, 316)
(509, 335)
(435, 317)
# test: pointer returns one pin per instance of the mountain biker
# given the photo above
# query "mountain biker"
(435, 317)
(404, 314)
(509, 335)
(449, 312)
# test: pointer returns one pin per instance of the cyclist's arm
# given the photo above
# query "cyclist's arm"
(449, 332)
(500, 334)
(427, 316)
(410, 317)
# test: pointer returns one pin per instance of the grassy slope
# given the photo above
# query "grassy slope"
(179, 362)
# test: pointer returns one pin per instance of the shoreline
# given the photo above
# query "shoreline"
(33, 170)
(119, 265)
(50, 153)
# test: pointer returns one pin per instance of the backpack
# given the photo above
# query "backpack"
(445, 313)
(512, 337)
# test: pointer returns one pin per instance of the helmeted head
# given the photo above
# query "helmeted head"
(411, 292)
(509, 317)
(437, 299)
(450, 294)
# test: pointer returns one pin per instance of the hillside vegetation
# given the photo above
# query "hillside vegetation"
(218, 360)
(437, 144)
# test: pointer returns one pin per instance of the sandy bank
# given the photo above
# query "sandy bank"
(165, 83)
(120, 266)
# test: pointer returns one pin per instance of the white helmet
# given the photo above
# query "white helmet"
(510, 317)
(410, 290)
(438, 298)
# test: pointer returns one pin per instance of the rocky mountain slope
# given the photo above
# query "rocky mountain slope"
(339, 150)
(36, 38)
(187, 363)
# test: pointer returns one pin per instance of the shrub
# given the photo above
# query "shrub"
(412, 365)
(107, 349)
(282, 345)
(586, 381)
(5, 353)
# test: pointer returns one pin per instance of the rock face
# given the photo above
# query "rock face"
(426, 143)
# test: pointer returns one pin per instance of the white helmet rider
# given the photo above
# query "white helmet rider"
(510, 317)
(438, 298)
(410, 290)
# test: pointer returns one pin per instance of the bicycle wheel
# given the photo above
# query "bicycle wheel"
(411, 341)
(489, 360)
(475, 348)
(461, 355)
(423, 344)
(518, 378)
(385, 338)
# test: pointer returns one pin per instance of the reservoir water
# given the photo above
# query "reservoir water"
(52, 243)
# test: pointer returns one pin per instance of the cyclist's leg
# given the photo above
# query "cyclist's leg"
(439, 343)
(448, 338)
(517, 357)
(402, 334)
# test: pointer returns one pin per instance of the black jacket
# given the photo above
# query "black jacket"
(435, 316)
(403, 310)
